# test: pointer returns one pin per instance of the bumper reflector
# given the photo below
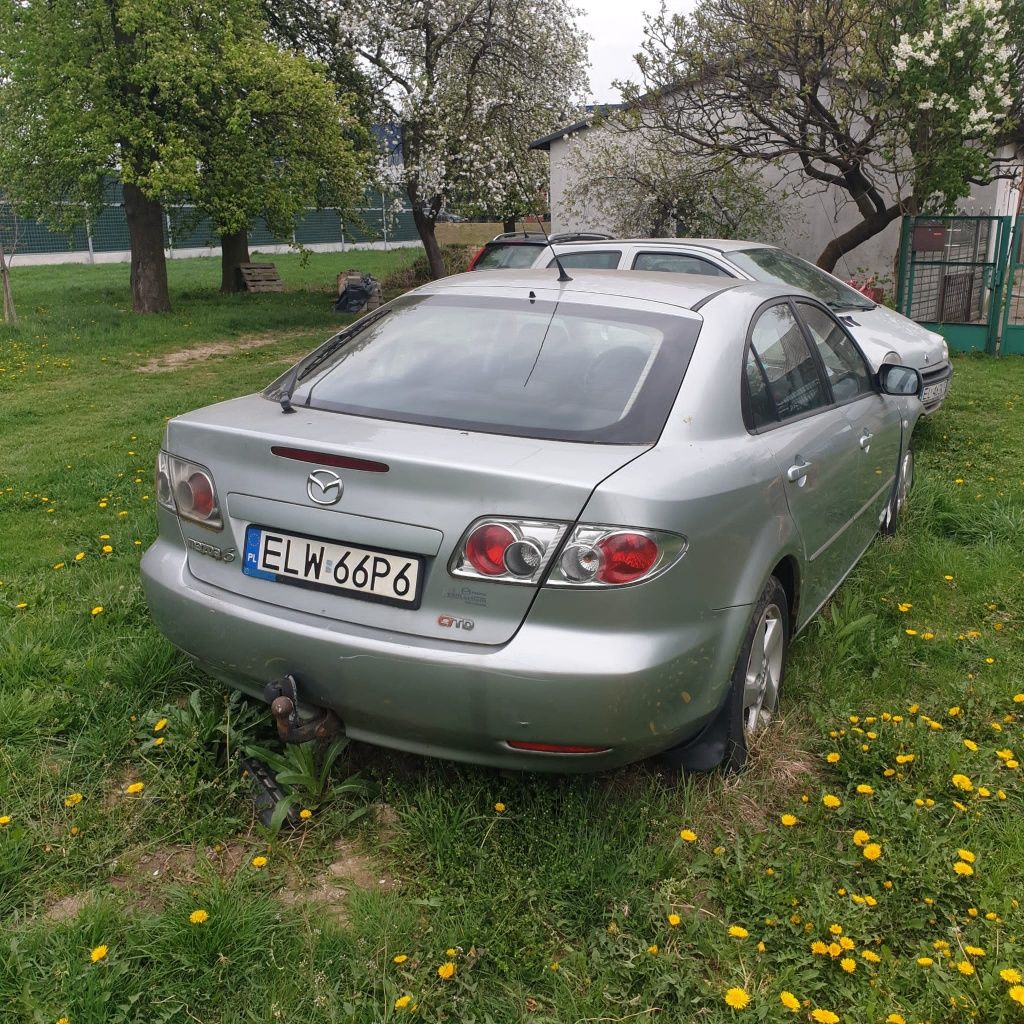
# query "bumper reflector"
(556, 748)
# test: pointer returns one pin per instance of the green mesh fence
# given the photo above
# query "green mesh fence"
(185, 228)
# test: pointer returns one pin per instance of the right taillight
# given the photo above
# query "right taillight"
(509, 550)
(188, 490)
(614, 556)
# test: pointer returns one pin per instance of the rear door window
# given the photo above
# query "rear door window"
(568, 371)
(848, 374)
(787, 365)
(677, 263)
(602, 259)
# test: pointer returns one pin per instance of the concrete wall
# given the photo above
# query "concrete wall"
(812, 218)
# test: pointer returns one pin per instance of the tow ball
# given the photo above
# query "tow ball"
(283, 697)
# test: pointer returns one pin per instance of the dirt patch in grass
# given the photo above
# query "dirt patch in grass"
(351, 868)
(171, 361)
(67, 908)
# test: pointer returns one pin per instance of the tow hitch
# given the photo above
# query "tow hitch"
(283, 698)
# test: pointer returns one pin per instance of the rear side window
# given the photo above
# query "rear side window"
(606, 259)
(507, 255)
(677, 263)
(787, 366)
(847, 372)
(571, 372)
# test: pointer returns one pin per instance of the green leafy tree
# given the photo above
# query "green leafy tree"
(895, 106)
(154, 92)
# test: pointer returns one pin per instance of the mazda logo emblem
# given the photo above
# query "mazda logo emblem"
(324, 487)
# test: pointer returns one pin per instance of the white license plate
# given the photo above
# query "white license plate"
(934, 392)
(373, 575)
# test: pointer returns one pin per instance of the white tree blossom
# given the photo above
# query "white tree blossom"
(469, 83)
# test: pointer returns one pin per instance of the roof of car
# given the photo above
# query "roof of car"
(687, 291)
(720, 244)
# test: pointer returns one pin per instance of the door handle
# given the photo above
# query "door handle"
(865, 440)
(797, 473)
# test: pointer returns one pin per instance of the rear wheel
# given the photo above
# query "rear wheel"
(900, 492)
(757, 677)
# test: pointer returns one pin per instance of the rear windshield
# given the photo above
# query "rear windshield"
(527, 368)
(508, 255)
(781, 268)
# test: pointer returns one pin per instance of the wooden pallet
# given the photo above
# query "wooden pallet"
(260, 277)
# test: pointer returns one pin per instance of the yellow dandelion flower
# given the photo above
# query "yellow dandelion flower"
(788, 820)
(135, 788)
(99, 953)
(895, 1018)
(820, 1016)
(160, 725)
(259, 862)
(972, 911)
(305, 814)
(72, 799)
(833, 757)
(963, 869)
(818, 948)
(107, 549)
(865, 790)
(737, 998)
(905, 758)
(399, 959)
(738, 932)
(904, 606)
(5, 820)
(789, 1001)
(1016, 993)
(159, 741)
(553, 967)
(966, 855)
(688, 835)
(846, 943)
(962, 782)
(910, 632)
(59, 565)
(927, 636)
(198, 917)
(98, 610)
(1018, 698)
(402, 1002)
(925, 961)
(79, 556)
(974, 950)
(965, 968)
(1011, 976)
(652, 949)
(971, 745)
(830, 801)
(872, 851)
(836, 929)
(446, 970)
(674, 920)
(835, 950)
(451, 952)
(499, 808)
(860, 837)
(870, 956)
(848, 964)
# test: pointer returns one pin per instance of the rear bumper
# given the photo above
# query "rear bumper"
(627, 688)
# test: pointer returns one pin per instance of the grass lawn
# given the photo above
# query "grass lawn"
(622, 897)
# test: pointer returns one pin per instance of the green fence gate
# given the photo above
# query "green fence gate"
(964, 277)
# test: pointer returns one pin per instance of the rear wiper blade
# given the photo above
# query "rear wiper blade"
(329, 347)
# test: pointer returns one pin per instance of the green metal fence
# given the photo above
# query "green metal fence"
(963, 276)
(375, 220)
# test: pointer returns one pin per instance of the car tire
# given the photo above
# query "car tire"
(757, 678)
(900, 492)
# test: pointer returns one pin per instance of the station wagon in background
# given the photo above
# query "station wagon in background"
(535, 523)
(883, 334)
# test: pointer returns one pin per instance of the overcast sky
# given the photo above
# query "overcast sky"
(617, 30)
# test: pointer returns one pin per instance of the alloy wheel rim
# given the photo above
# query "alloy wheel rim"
(764, 672)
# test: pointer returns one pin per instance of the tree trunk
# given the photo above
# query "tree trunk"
(149, 267)
(509, 224)
(867, 228)
(425, 228)
(234, 250)
(10, 314)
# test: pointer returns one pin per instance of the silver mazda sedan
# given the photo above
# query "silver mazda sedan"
(534, 523)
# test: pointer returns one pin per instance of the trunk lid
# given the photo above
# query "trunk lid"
(438, 481)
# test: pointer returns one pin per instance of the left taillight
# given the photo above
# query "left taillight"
(507, 550)
(187, 489)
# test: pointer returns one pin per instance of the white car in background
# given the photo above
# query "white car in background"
(884, 336)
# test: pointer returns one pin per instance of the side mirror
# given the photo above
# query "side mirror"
(900, 380)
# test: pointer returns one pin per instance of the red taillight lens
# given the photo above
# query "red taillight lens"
(486, 546)
(627, 557)
(201, 487)
(476, 256)
(556, 748)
